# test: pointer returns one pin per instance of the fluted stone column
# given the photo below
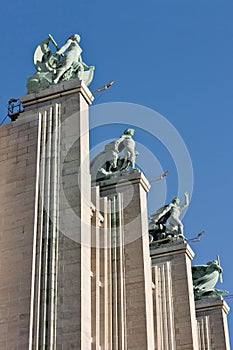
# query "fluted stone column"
(18, 164)
(60, 316)
(134, 265)
(174, 308)
(212, 324)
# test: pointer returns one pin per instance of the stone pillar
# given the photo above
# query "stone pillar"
(18, 164)
(105, 276)
(174, 308)
(61, 264)
(212, 324)
(96, 260)
(131, 261)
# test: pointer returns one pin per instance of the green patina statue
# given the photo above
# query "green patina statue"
(65, 64)
(117, 158)
(160, 230)
(205, 277)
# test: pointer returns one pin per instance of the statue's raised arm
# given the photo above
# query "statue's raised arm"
(186, 202)
(165, 222)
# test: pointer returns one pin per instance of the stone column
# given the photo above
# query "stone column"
(105, 276)
(18, 163)
(174, 308)
(212, 324)
(96, 260)
(61, 273)
(134, 265)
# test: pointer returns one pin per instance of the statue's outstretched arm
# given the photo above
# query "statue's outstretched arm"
(64, 47)
(118, 141)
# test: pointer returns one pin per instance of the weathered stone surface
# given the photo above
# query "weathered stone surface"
(173, 297)
(17, 201)
(212, 324)
(24, 265)
(136, 314)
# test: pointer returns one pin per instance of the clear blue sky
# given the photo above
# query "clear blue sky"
(174, 56)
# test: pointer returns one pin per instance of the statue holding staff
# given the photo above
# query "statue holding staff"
(65, 64)
(205, 277)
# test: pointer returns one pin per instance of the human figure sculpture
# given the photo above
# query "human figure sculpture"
(72, 58)
(171, 213)
(118, 156)
(128, 143)
(205, 277)
(65, 64)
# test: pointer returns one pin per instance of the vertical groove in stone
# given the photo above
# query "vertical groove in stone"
(34, 291)
(45, 266)
(114, 275)
(95, 267)
(54, 231)
(110, 315)
(93, 281)
(170, 308)
(117, 262)
(204, 333)
(43, 314)
(58, 127)
(105, 304)
(120, 267)
(163, 303)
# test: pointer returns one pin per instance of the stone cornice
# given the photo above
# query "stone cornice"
(212, 304)
(132, 177)
(172, 249)
(57, 91)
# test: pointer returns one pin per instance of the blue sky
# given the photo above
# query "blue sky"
(173, 56)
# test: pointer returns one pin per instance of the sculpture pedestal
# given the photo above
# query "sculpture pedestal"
(60, 314)
(174, 308)
(212, 324)
(131, 265)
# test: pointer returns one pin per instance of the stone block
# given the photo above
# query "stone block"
(212, 321)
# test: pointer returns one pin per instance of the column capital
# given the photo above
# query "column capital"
(172, 249)
(133, 177)
(212, 304)
(63, 89)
